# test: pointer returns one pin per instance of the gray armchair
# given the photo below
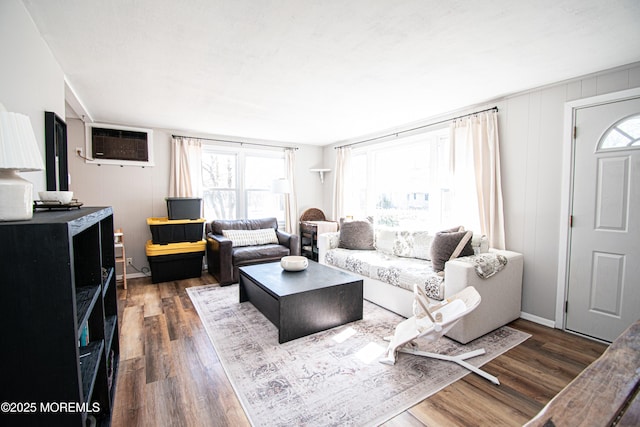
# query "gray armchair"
(224, 259)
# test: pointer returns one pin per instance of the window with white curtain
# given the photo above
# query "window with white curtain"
(237, 183)
(403, 183)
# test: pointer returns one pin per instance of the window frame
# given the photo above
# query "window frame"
(436, 135)
(241, 190)
(616, 129)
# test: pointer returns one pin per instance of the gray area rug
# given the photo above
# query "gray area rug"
(331, 377)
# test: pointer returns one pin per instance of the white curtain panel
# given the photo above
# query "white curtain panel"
(186, 167)
(290, 200)
(343, 157)
(476, 174)
(463, 197)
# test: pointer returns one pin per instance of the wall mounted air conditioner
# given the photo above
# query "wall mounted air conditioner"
(118, 145)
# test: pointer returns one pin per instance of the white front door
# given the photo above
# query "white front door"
(603, 296)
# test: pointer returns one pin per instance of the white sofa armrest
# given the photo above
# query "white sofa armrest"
(501, 295)
(327, 241)
(459, 274)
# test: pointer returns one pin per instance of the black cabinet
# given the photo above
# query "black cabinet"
(60, 346)
(309, 240)
(309, 231)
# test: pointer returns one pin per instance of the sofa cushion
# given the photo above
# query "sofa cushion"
(396, 271)
(385, 239)
(249, 254)
(422, 245)
(242, 224)
(356, 235)
(404, 243)
(450, 244)
(480, 244)
(251, 237)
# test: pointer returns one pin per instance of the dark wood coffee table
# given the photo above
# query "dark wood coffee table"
(303, 302)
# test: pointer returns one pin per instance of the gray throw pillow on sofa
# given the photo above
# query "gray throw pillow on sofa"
(356, 235)
(445, 243)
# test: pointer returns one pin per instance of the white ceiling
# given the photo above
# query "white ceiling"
(321, 71)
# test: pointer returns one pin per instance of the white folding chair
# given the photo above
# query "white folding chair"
(432, 322)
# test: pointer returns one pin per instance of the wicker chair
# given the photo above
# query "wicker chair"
(312, 214)
(309, 229)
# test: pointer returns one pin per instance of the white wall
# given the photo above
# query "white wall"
(31, 80)
(531, 136)
(137, 193)
(308, 187)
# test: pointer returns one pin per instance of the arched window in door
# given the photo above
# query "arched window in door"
(623, 134)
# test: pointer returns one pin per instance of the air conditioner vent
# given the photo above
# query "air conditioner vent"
(119, 145)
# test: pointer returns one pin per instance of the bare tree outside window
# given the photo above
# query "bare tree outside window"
(260, 172)
(238, 184)
(220, 191)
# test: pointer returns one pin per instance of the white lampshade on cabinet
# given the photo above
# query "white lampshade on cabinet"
(18, 153)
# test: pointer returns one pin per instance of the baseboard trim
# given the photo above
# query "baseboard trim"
(131, 276)
(537, 319)
(138, 274)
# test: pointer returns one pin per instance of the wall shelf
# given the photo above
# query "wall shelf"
(320, 171)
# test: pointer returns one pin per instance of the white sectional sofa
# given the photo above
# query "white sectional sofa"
(389, 279)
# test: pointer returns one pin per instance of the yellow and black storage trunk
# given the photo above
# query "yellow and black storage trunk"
(165, 230)
(175, 261)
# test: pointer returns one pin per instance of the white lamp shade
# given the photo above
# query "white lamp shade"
(18, 153)
(18, 145)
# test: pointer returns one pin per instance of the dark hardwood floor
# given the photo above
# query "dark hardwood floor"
(170, 375)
